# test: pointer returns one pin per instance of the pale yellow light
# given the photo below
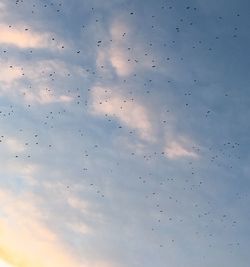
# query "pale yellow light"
(5, 264)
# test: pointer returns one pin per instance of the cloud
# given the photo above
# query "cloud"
(115, 55)
(119, 61)
(9, 74)
(176, 150)
(14, 145)
(13, 78)
(45, 97)
(25, 171)
(79, 228)
(120, 56)
(3, 9)
(25, 239)
(118, 28)
(118, 53)
(4, 264)
(77, 203)
(130, 113)
(21, 38)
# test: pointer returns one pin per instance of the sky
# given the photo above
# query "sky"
(124, 133)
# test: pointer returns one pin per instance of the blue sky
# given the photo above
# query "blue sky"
(124, 129)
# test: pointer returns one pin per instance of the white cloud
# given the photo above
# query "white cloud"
(179, 149)
(3, 10)
(9, 74)
(118, 28)
(21, 38)
(118, 53)
(4, 264)
(119, 60)
(130, 113)
(38, 74)
(14, 145)
(79, 228)
(45, 97)
(77, 203)
(131, 145)
(25, 239)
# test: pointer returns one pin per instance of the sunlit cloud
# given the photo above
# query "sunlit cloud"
(39, 74)
(118, 52)
(3, 9)
(79, 228)
(25, 239)
(24, 37)
(77, 203)
(8, 74)
(132, 146)
(45, 97)
(129, 112)
(14, 145)
(179, 149)
(110, 139)
(119, 61)
(5, 264)
(118, 28)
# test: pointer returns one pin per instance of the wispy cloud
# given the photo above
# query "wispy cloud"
(181, 148)
(40, 75)
(4, 264)
(119, 60)
(9, 74)
(25, 238)
(14, 145)
(111, 146)
(25, 37)
(118, 52)
(130, 113)
(46, 97)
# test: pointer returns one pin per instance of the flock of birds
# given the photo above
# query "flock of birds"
(51, 119)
